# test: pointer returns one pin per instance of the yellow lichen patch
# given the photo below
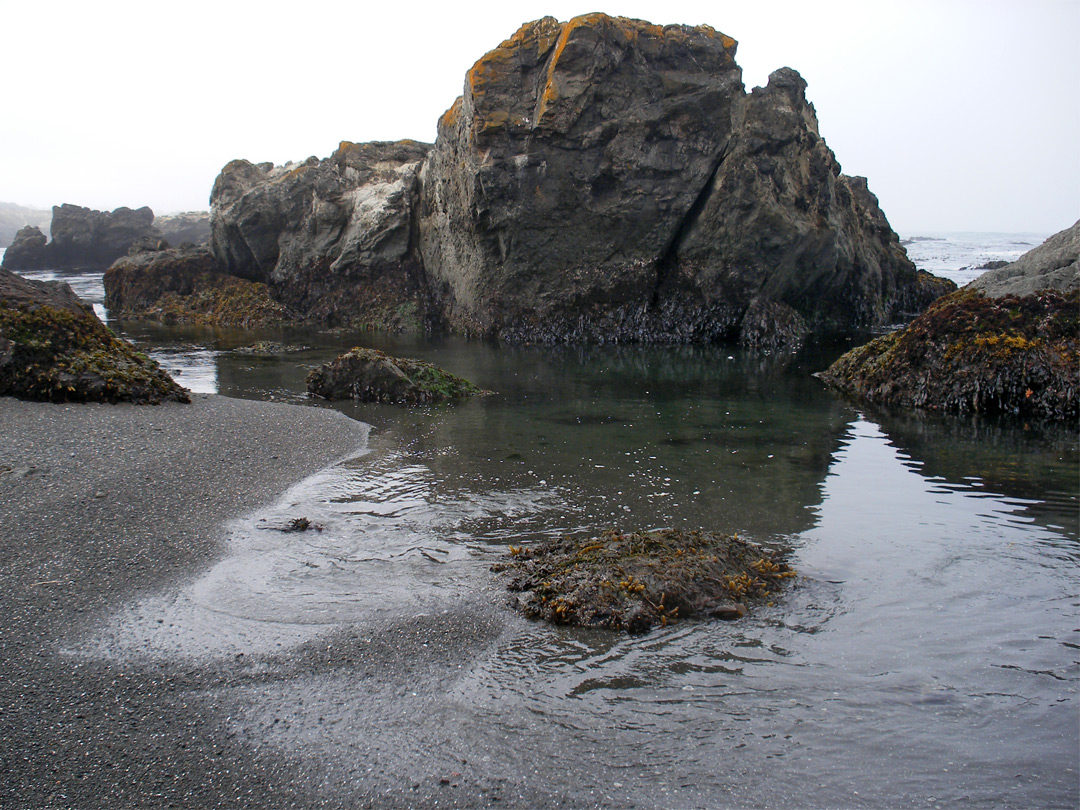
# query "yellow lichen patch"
(727, 41)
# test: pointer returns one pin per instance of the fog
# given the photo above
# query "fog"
(963, 115)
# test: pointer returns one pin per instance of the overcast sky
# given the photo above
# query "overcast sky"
(963, 115)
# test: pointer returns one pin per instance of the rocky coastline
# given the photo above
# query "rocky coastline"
(85, 239)
(1007, 343)
(601, 180)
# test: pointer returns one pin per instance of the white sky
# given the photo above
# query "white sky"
(964, 115)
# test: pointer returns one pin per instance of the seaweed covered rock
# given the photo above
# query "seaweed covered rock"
(637, 580)
(993, 347)
(334, 238)
(969, 353)
(369, 375)
(53, 348)
(188, 285)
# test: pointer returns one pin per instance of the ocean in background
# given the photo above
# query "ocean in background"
(960, 256)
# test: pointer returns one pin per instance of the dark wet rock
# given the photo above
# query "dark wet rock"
(369, 375)
(991, 347)
(269, 347)
(188, 285)
(638, 580)
(565, 170)
(995, 264)
(969, 353)
(53, 348)
(334, 238)
(1053, 265)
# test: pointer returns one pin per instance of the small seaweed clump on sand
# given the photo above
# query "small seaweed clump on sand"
(635, 581)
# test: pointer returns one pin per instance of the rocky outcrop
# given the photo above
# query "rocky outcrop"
(609, 180)
(53, 348)
(188, 285)
(564, 173)
(369, 375)
(28, 250)
(335, 239)
(1053, 265)
(599, 180)
(14, 218)
(991, 347)
(83, 238)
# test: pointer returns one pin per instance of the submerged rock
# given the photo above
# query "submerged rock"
(637, 580)
(53, 348)
(1009, 342)
(188, 285)
(369, 375)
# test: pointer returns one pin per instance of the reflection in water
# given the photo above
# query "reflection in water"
(926, 656)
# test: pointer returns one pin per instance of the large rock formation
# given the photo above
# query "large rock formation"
(564, 174)
(607, 179)
(53, 348)
(1009, 342)
(335, 239)
(599, 180)
(87, 239)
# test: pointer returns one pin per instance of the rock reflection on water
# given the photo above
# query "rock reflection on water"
(927, 654)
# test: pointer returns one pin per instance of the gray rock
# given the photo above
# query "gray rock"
(334, 238)
(82, 238)
(1053, 265)
(609, 180)
(600, 180)
(563, 175)
(27, 251)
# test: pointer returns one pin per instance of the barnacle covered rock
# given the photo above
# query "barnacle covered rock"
(637, 580)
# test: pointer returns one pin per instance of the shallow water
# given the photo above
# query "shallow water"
(926, 656)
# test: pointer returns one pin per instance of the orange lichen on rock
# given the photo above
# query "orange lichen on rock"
(450, 118)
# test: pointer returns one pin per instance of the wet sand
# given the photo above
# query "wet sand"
(102, 504)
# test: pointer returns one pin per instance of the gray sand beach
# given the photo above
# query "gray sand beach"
(103, 504)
